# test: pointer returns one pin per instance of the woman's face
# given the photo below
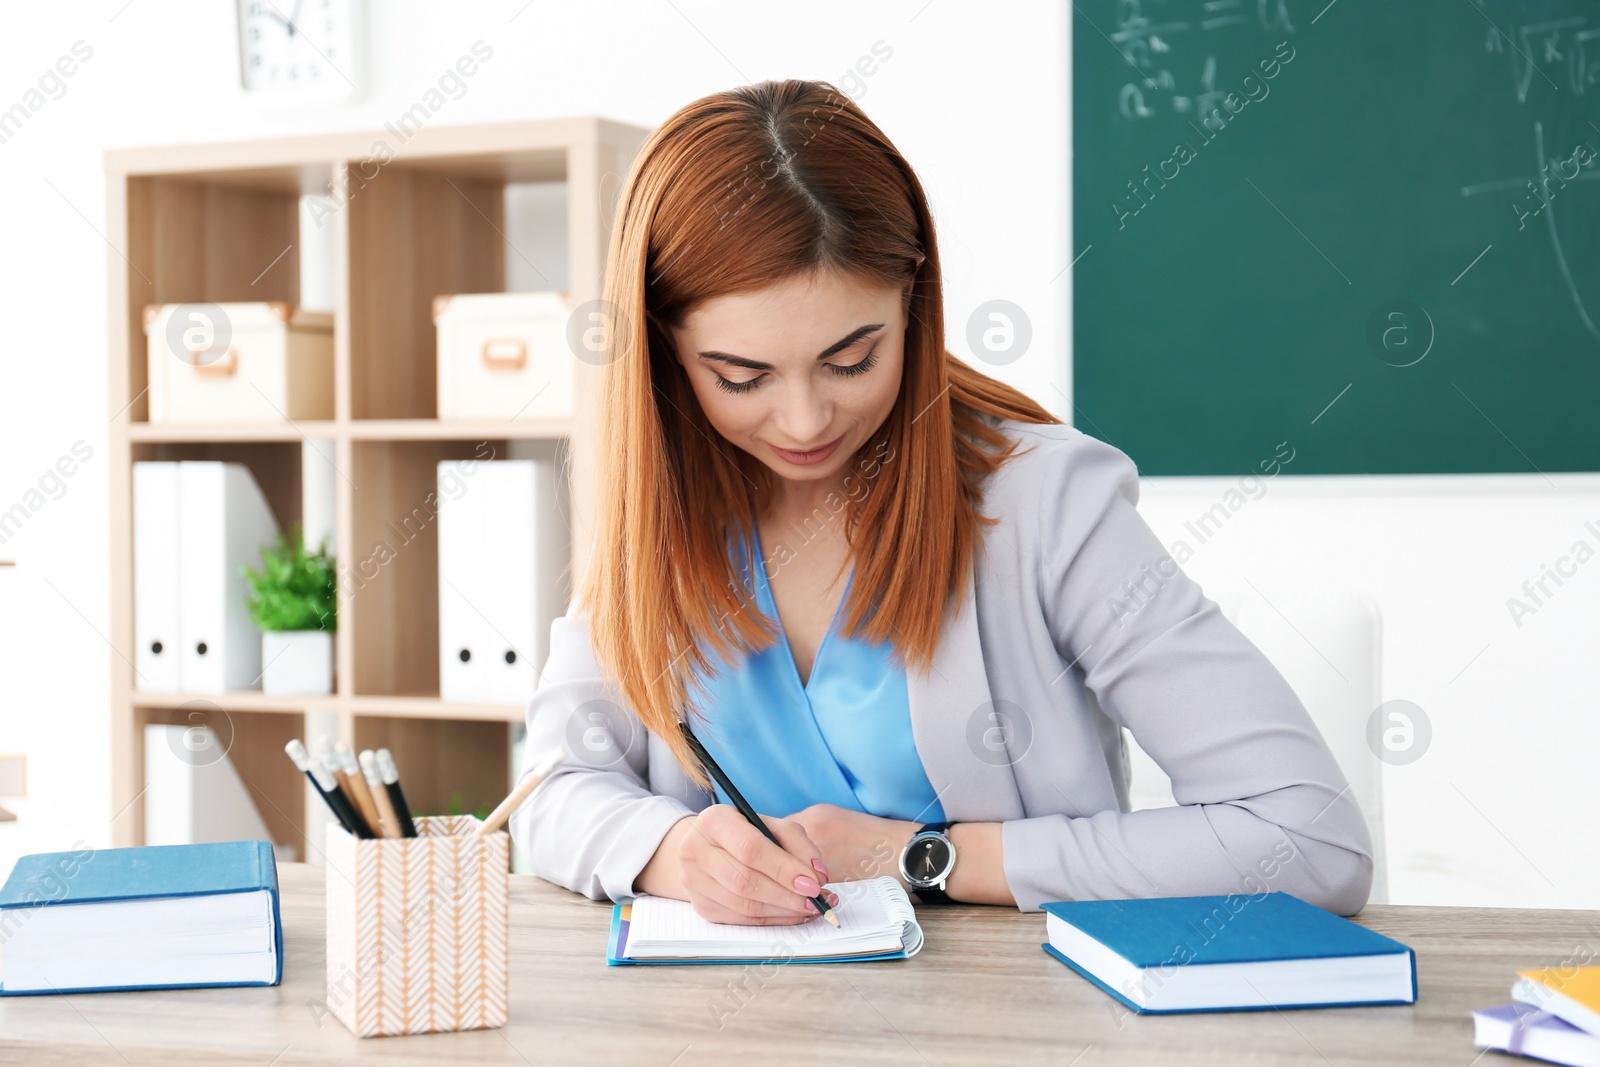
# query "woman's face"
(800, 374)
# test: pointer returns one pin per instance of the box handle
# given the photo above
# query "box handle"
(219, 368)
(505, 353)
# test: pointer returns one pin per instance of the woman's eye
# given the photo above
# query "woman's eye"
(736, 387)
(863, 365)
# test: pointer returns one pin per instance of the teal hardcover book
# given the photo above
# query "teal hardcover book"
(158, 917)
(1228, 953)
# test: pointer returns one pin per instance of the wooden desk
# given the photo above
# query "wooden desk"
(980, 992)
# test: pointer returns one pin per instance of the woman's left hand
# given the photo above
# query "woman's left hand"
(856, 845)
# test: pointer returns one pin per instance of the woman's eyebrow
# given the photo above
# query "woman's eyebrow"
(832, 350)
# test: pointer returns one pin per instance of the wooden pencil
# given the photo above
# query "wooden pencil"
(522, 792)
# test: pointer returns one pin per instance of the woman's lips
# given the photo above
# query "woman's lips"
(816, 455)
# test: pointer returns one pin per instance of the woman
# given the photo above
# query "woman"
(906, 610)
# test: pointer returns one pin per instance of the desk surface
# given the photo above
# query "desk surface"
(981, 991)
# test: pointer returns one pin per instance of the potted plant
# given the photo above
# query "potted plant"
(294, 600)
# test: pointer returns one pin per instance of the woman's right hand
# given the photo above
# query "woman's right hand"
(731, 873)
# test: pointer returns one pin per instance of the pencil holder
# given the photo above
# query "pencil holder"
(417, 929)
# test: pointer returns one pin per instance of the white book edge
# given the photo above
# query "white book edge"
(1576, 1048)
(145, 957)
(1528, 991)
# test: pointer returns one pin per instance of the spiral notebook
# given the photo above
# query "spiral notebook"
(876, 922)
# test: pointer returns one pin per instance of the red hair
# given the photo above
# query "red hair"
(732, 194)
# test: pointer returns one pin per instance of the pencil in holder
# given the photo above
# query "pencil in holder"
(417, 929)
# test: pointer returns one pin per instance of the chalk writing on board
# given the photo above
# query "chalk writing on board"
(1537, 195)
(1561, 52)
(1147, 44)
(1212, 122)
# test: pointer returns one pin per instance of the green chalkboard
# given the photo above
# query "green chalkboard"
(1368, 228)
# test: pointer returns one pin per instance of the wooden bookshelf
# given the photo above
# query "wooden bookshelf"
(200, 223)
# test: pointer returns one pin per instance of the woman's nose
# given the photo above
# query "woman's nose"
(804, 416)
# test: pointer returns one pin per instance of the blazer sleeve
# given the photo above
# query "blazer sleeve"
(595, 822)
(1262, 805)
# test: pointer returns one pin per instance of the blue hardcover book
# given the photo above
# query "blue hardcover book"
(159, 917)
(1228, 953)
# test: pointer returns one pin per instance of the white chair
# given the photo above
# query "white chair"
(1328, 648)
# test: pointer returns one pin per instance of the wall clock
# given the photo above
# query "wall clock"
(300, 50)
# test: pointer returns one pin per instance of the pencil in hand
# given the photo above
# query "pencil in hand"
(819, 901)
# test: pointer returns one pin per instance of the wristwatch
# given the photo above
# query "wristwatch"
(926, 862)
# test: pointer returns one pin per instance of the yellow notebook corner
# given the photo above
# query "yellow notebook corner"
(1581, 984)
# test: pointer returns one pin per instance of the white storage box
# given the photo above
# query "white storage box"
(417, 929)
(252, 362)
(504, 356)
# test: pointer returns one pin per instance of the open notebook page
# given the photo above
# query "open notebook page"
(875, 915)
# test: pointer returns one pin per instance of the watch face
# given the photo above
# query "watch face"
(928, 860)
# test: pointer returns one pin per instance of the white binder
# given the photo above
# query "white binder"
(503, 545)
(155, 577)
(462, 643)
(510, 608)
(223, 520)
(193, 793)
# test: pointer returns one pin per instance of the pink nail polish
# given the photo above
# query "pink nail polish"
(821, 868)
(806, 886)
(812, 908)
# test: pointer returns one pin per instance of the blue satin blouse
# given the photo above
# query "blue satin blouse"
(843, 737)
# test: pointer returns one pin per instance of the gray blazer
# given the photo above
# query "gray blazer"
(1076, 625)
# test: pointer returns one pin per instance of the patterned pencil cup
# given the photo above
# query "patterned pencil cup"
(417, 929)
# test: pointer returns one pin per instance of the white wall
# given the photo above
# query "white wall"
(974, 97)
(1491, 812)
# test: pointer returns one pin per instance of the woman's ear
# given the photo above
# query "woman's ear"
(666, 335)
(911, 282)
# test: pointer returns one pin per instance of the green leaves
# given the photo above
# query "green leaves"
(294, 589)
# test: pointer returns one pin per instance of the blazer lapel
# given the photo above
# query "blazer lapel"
(954, 724)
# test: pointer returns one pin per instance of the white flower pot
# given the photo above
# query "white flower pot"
(297, 663)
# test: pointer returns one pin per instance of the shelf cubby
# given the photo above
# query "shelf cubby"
(417, 230)
(275, 465)
(215, 237)
(394, 570)
(446, 757)
(253, 740)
